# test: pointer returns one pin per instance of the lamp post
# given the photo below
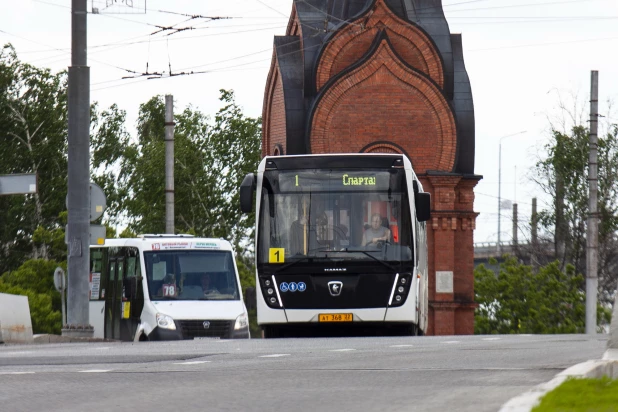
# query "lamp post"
(500, 184)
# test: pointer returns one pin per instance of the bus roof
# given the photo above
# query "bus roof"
(169, 242)
(335, 160)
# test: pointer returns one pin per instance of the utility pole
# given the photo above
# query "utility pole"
(78, 198)
(169, 164)
(534, 236)
(515, 224)
(592, 238)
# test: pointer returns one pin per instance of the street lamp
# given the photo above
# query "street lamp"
(500, 184)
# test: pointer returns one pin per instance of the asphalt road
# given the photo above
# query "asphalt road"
(454, 373)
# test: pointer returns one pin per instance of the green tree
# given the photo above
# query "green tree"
(33, 131)
(35, 279)
(517, 300)
(563, 175)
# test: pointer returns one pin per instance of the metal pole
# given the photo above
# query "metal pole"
(515, 224)
(593, 225)
(499, 194)
(169, 164)
(78, 178)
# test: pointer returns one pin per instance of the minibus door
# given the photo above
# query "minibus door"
(113, 299)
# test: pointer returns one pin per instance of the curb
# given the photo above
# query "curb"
(607, 366)
(590, 369)
(45, 338)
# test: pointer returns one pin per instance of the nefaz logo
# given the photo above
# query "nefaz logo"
(156, 246)
(335, 287)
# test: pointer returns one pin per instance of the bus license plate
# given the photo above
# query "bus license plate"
(335, 317)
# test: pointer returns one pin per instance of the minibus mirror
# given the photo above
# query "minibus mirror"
(247, 191)
(422, 201)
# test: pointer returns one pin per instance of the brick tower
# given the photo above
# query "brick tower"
(386, 76)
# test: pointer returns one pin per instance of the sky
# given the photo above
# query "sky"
(525, 59)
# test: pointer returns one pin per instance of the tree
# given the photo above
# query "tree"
(517, 300)
(33, 127)
(35, 279)
(563, 175)
(210, 163)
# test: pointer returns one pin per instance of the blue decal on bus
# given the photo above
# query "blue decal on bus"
(302, 287)
(283, 287)
(293, 287)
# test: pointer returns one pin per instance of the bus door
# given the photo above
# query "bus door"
(113, 298)
(132, 298)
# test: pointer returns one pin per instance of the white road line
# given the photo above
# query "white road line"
(492, 338)
(341, 350)
(103, 348)
(96, 371)
(450, 341)
(192, 362)
(401, 346)
(278, 355)
(16, 373)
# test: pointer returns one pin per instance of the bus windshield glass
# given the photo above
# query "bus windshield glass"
(325, 215)
(191, 275)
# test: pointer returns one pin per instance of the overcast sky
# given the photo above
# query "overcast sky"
(523, 57)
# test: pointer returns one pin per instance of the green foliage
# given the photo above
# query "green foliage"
(520, 301)
(210, 163)
(563, 175)
(33, 126)
(35, 280)
(579, 394)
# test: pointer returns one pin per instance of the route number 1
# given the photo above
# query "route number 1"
(276, 255)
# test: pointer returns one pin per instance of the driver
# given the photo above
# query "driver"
(376, 232)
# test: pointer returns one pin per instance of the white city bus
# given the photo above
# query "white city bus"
(166, 287)
(340, 244)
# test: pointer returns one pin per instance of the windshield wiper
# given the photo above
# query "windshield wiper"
(364, 252)
(287, 265)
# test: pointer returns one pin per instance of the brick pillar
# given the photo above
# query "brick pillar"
(451, 255)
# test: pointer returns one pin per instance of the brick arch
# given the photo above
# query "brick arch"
(354, 40)
(351, 113)
(273, 112)
(384, 147)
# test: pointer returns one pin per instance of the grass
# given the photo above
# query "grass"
(585, 395)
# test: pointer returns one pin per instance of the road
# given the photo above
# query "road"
(458, 373)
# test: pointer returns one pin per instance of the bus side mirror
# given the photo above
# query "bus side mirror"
(247, 191)
(422, 202)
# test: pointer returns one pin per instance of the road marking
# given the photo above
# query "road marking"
(103, 348)
(278, 355)
(16, 373)
(492, 338)
(450, 341)
(191, 363)
(341, 350)
(96, 371)
(401, 346)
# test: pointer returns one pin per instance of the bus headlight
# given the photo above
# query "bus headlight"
(241, 322)
(165, 322)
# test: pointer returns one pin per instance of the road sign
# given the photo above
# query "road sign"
(97, 202)
(97, 235)
(60, 281)
(18, 184)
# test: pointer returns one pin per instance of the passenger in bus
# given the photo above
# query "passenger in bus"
(207, 287)
(376, 233)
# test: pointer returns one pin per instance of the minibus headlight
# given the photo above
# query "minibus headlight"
(165, 322)
(241, 322)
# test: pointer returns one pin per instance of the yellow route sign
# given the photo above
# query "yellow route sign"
(276, 255)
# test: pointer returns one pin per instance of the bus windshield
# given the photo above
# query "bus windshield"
(334, 214)
(191, 275)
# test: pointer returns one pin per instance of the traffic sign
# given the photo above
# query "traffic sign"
(18, 184)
